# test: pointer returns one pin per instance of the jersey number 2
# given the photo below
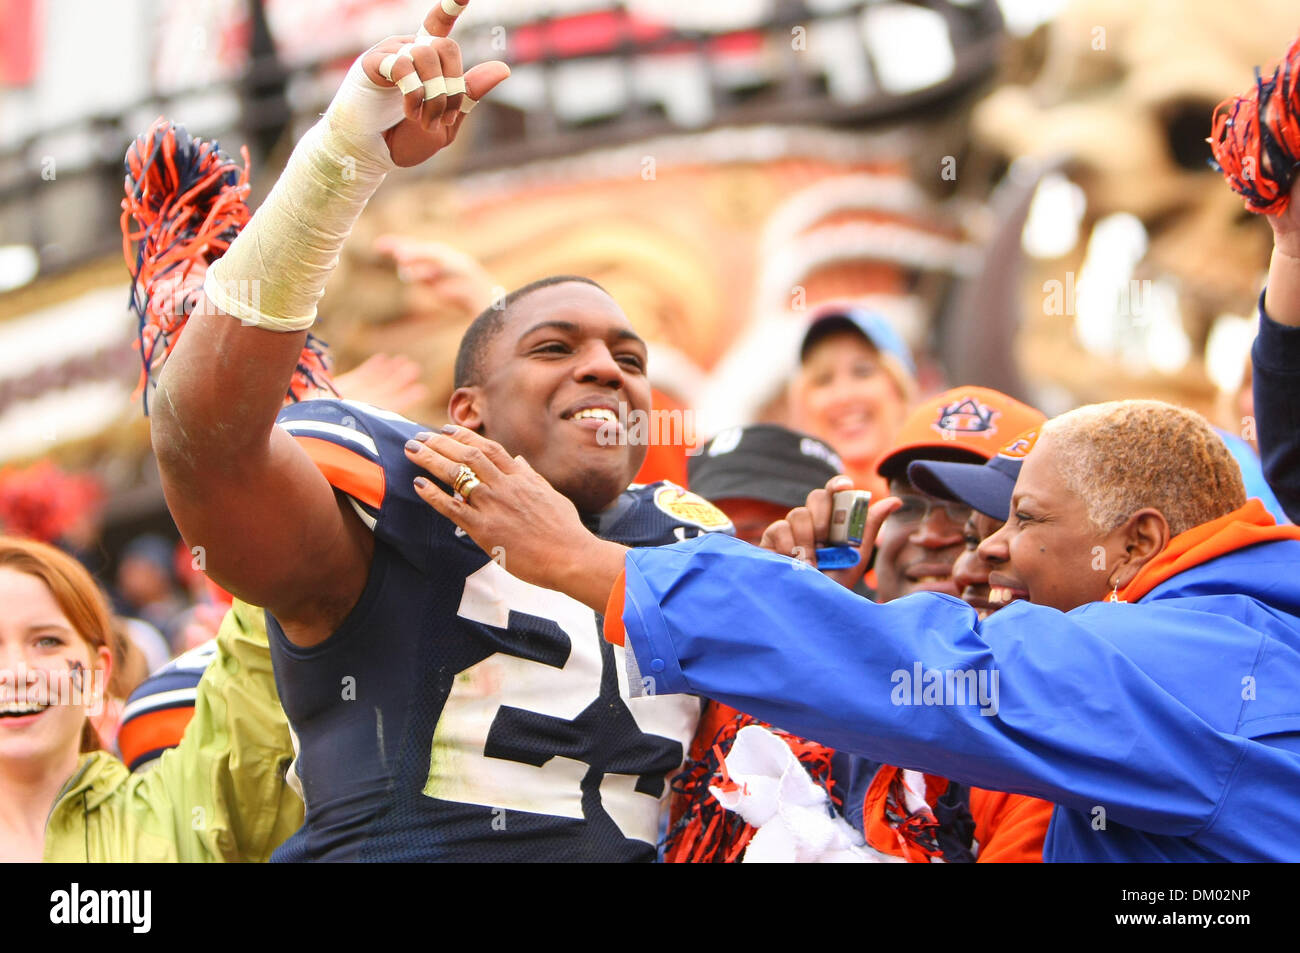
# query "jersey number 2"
(460, 770)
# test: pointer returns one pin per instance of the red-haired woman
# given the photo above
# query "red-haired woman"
(220, 795)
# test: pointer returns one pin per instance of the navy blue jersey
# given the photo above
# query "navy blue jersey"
(459, 713)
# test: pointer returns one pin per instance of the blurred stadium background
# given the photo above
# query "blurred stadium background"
(1021, 187)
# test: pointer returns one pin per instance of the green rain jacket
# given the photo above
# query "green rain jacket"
(220, 795)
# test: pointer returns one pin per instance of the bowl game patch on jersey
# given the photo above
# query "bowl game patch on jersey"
(688, 507)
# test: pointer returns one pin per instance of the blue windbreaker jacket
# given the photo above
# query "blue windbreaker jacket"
(1167, 729)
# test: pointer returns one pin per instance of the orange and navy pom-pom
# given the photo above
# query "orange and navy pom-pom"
(189, 201)
(1256, 137)
(706, 832)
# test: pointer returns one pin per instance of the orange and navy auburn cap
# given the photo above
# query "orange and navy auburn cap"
(986, 487)
(961, 425)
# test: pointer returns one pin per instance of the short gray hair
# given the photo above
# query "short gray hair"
(1125, 455)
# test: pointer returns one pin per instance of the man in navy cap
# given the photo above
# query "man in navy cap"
(986, 489)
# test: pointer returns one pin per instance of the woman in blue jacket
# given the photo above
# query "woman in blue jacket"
(1148, 683)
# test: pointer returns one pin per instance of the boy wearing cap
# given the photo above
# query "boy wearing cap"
(987, 491)
(757, 474)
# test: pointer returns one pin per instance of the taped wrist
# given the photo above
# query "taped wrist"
(273, 275)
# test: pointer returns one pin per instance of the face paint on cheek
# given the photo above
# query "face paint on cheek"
(77, 672)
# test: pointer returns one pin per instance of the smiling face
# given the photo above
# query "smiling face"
(561, 380)
(40, 651)
(1048, 551)
(915, 552)
(844, 395)
(970, 573)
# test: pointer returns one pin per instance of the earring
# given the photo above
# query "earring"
(1114, 594)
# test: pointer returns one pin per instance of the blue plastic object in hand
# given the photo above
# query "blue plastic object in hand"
(837, 557)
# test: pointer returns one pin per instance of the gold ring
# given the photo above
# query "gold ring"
(468, 488)
(466, 480)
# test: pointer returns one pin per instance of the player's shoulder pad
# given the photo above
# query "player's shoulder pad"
(352, 424)
(361, 449)
(157, 712)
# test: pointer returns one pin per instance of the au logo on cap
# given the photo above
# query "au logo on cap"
(967, 416)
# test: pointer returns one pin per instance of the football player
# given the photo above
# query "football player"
(443, 709)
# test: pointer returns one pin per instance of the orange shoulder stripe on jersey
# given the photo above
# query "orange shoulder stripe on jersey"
(356, 476)
(614, 631)
(153, 730)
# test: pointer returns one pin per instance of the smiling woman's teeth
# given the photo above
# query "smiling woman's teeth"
(597, 413)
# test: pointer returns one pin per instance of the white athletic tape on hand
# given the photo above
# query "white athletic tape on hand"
(434, 87)
(423, 34)
(455, 85)
(452, 8)
(362, 111)
(274, 273)
(409, 83)
(388, 62)
(467, 104)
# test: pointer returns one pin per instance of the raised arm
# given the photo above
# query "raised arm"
(271, 528)
(1256, 140)
(1276, 360)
